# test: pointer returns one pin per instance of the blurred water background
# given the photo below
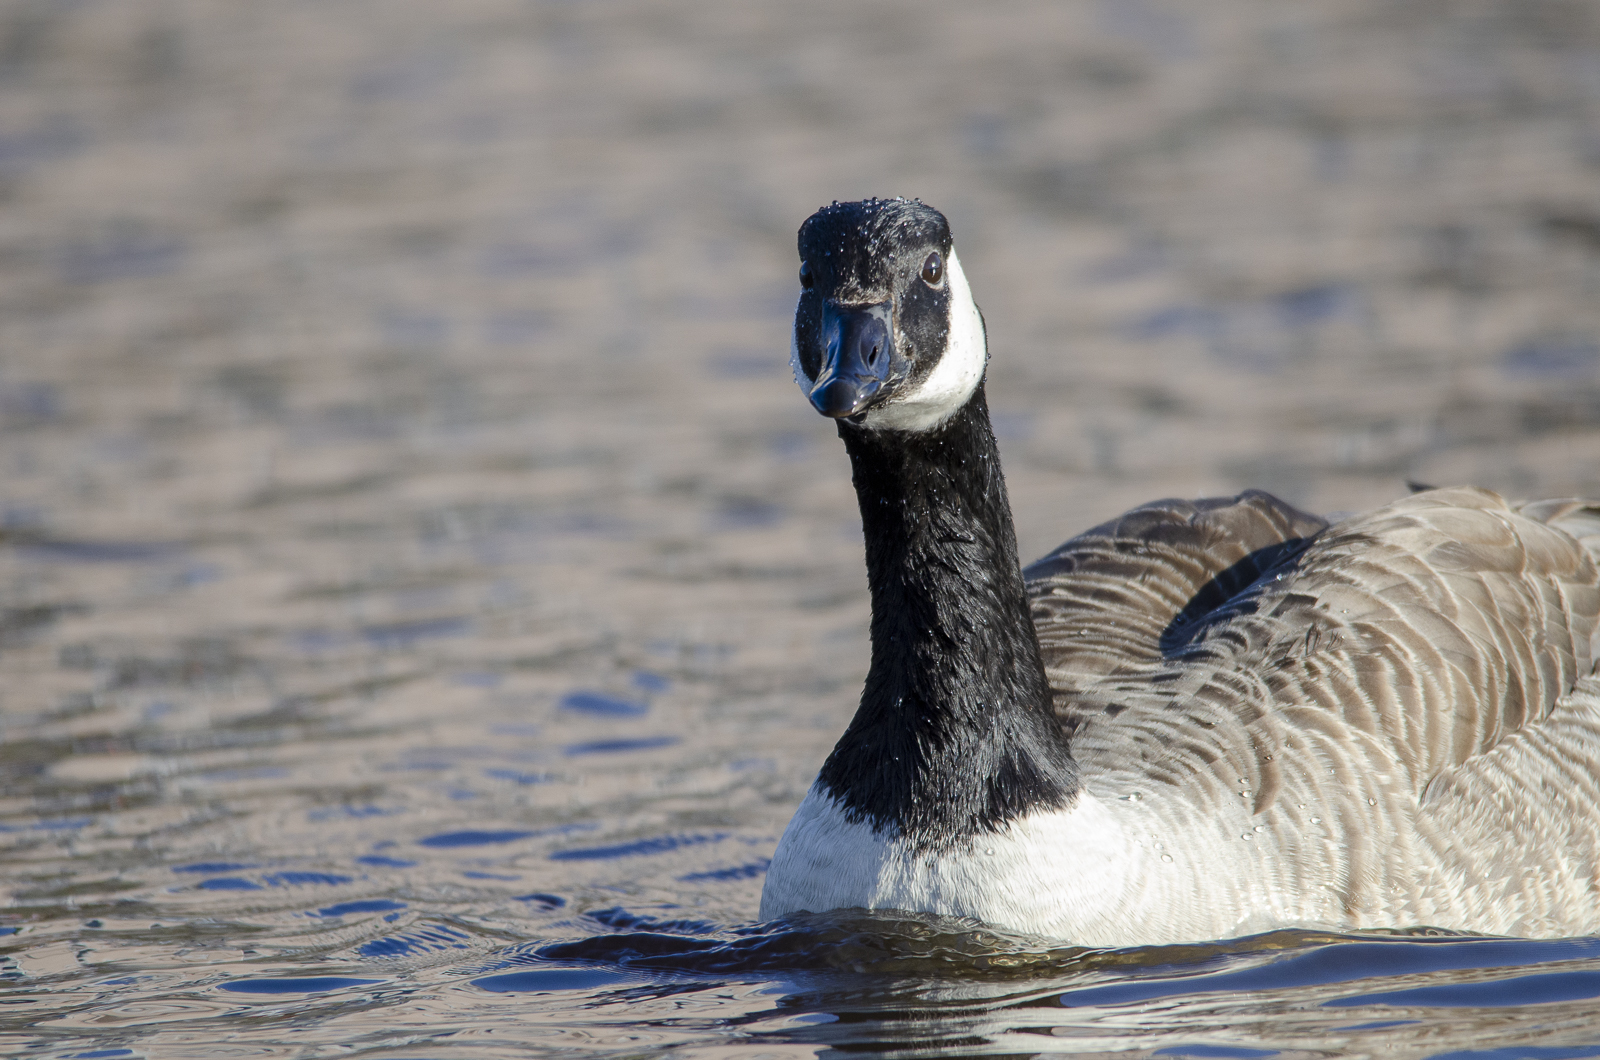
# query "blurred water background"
(424, 595)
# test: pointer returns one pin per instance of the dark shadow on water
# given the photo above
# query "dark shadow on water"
(854, 941)
(914, 946)
(854, 981)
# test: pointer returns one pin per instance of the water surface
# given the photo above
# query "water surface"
(424, 596)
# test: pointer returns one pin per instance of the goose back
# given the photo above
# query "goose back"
(1401, 695)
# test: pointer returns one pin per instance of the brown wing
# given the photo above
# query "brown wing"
(1427, 631)
(1123, 593)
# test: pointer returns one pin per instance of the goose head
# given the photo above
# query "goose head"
(886, 334)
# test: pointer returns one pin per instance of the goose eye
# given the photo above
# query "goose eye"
(933, 269)
(806, 279)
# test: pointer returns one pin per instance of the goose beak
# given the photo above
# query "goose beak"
(857, 350)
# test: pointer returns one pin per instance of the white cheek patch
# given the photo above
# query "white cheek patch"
(952, 381)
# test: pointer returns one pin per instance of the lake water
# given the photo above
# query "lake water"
(424, 595)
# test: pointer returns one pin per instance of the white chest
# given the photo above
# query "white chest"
(1098, 873)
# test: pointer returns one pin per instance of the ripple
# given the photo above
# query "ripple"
(602, 705)
(422, 939)
(600, 747)
(637, 848)
(548, 979)
(548, 901)
(1495, 993)
(101, 551)
(738, 872)
(381, 862)
(309, 984)
(366, 905)
(473, 838)
(306, 879)
(1345, 962)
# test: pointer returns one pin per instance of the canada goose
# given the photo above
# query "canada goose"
(1201, 719)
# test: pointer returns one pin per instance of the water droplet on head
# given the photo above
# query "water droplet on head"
(1166, 857)
(989, 851)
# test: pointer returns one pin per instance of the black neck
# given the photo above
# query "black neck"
(955, 734)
